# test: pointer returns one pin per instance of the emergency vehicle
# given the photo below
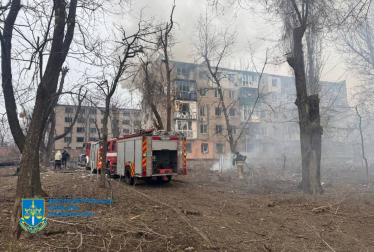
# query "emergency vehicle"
(142, 155)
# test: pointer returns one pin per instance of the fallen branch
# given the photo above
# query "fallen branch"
(184, 218)
(328, 208)
(318, 235)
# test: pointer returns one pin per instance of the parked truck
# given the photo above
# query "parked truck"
(142, 155)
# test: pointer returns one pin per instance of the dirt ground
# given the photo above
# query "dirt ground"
(203, 211)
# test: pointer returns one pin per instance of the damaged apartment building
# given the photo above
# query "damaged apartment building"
(262, 114)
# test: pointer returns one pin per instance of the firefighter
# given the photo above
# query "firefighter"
(65, 158)
(58, 158)
(239, 160)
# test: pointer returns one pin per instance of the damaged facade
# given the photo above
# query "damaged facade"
(272, 130)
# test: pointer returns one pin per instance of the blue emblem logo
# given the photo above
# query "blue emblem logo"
(33, 219)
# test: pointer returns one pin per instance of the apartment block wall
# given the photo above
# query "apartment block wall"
(272, 130)
(85, 129)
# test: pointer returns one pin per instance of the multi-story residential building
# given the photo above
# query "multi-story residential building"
(89, 124)
(262, 113)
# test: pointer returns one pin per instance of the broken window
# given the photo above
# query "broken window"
(204, 148)
(218, 129)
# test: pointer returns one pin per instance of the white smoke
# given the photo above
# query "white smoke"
(224, 163)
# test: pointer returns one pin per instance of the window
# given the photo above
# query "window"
(245, 80)
(181, 70)
(66, 129)
(274, 82)
(102, 121)
(67, 139)
(136, 114)
(265, 148)
(68, 110)
(219, 148)
(102, 112)
(202, 75)
(126, 131)
(136, 130)
(274, 97)
(232, 112)
(203, 129)
(263, 114)
(80, 120)
(218, 111)
(263, 80)
(92, 130)
(185, 86)
(92, 120)
(231, 94)
(126, 113)
(185, 107)
(233, 129)
(137, 123)
(264, 131)
(218, 129)
(216, 93)
(80, 129)
(80, 139)
(68, 119)
(92, 139)
(184, 125)
(114, 146)
(188, 147)
(204, 148)
(202, 111)
(82, 111)
(126, 122)
(203, 92)
(231, 77)
(93, 111)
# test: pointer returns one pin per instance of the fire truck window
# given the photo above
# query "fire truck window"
(114, 146)
(108, 147)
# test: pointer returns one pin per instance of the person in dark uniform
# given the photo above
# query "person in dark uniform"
(239, 161)
(65, 158)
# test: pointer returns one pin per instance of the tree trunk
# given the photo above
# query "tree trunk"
(160, 125)
(47, 152)
(28, 183)
(363, 144)
(168, 96)
(284, 164)
(115, 122)
(105, 143)
(309, 120)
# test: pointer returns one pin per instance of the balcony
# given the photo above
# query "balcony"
(185, 115)
(248, 97)
(188, 96)
(186, 133)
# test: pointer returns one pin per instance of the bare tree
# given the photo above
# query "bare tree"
(128, 47)
(213, 46)
(165, 41)
(39, 33)
(46, 148)
(362, 141)
(152, 89)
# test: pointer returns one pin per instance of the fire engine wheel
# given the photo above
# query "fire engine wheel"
(162, 180)
(128, 179)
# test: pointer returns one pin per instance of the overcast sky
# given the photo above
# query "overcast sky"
(252, 29)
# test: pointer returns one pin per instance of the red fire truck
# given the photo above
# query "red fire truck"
(145, 154)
